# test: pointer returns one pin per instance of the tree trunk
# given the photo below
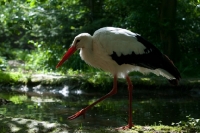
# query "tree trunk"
(168, 33)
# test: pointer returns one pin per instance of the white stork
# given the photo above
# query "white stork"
(120, 51)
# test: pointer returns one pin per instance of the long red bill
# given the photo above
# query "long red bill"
(70, 51)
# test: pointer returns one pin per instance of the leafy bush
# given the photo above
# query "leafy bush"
(40, 31)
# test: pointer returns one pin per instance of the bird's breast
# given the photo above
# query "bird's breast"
(99, 58)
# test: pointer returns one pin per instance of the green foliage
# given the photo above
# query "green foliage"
(191, 124)
(40, 31)
(100, 79)
(12, 77)
(2, 63)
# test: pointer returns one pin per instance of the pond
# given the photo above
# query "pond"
(56, 103)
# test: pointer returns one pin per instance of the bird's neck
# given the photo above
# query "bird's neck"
(86, 53)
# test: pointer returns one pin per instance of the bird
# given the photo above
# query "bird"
(119, 52)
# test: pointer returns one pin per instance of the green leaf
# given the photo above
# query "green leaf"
(32, 4)
(3, 3)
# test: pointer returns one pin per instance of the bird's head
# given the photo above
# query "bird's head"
(80, 41)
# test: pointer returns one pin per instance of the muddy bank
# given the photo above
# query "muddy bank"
(89, 79)
(52, 84)
(21, 125)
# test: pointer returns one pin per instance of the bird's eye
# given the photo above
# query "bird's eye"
(77, 41)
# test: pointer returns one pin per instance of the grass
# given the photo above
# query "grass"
(12, 77)
(16, 125)
(88, 80)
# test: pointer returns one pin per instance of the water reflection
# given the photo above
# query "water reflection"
(64, 91)
(47, 90)
(55, 104)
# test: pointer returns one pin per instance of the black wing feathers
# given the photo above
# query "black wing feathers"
(151, 59)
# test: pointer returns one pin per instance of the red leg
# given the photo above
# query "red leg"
(83, 111)
(130, 89)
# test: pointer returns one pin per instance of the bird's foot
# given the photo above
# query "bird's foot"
(129, 126)
(77, 114)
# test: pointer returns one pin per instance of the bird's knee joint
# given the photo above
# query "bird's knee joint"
(113, 92)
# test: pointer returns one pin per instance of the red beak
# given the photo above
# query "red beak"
(70, 51)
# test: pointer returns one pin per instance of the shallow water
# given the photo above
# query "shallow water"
(55, 104)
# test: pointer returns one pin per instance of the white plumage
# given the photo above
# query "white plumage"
(98, 48)
(120, 51)
(119, 40)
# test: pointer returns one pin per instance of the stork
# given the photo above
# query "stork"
(120, 51)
